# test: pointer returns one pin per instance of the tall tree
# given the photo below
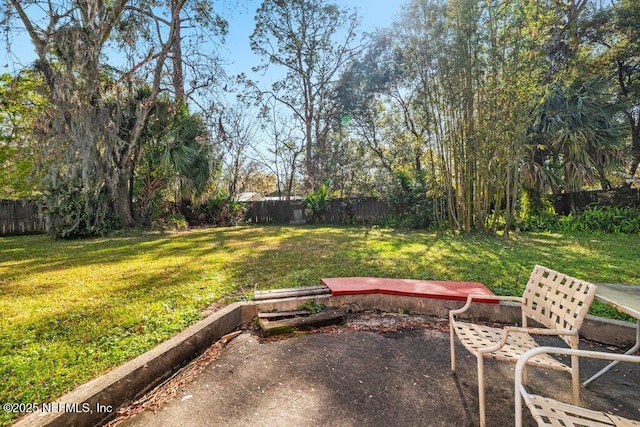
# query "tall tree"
(285, 148)
(575, 140)
(447, 95)
(311, 41)
(199, 25)
(613, 33)
(563, 42)
(173, 155)
(236, 135)
(21, 108)
(72, 39)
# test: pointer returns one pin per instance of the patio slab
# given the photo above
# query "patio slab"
(376, 369)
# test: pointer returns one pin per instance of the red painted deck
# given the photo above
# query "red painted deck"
(407, 287)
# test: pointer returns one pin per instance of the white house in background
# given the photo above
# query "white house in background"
(249, 197)
(257, 197)
(283, 198)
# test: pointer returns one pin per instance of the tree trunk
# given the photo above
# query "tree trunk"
(176, 51)
(310, 160)
(121, 206)
(635, 147)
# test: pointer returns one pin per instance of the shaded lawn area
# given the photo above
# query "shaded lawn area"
(72, 310)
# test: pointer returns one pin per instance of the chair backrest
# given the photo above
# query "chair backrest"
(557, 301)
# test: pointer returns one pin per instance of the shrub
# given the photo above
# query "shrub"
(598, 219)
(318, 202)
(607, 219)
(408, 197)
(544, 221)
(72, 216)
(222, 209)
(176, 222)
(538, 214)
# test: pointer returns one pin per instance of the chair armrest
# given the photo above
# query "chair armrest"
(540, 331)
(519, 389)
(573, 352)
(471, 297)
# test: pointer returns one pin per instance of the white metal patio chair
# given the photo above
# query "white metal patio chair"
(557, 302)
(550, 412)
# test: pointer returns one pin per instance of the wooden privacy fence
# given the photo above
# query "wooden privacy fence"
(272, 211)
(20, 217)
(578, 201)
(365, 210)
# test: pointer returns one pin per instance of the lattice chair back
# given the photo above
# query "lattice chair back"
(556, 300)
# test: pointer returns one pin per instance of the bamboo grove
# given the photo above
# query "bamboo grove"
(496, 99)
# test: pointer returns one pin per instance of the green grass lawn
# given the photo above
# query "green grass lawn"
(72, 310)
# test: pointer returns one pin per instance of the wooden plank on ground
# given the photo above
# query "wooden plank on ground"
(291, 292)
(283, 314)
(324, 317)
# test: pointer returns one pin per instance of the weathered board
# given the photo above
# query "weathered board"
(324, 317)
(291, 292)
(283, 314)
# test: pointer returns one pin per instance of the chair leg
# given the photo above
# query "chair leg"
(453, 346)
(575, 371)
(483, 422)
(575, 379)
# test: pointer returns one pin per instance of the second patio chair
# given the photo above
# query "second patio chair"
(551, 412)
(556, 302)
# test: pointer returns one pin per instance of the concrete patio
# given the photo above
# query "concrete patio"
(378, 368)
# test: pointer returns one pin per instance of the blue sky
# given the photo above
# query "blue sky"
(240, 14)
(374, 14)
